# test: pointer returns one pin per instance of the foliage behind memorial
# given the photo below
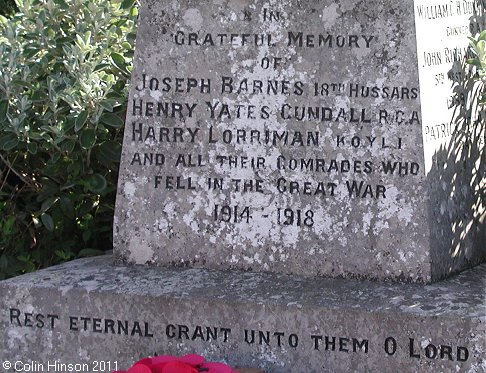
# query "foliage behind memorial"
(64, 67)
(7, 7)
(479, 48)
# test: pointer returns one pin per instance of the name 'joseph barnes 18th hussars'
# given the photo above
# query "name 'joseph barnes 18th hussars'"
(270, 87)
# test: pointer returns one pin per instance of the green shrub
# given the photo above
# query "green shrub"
(64, 67)
(7, 7)
(479, 49)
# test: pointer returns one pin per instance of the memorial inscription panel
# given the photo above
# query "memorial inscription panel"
(454, 131)
(276, 136)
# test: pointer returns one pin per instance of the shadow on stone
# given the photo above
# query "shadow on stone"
(456, 180)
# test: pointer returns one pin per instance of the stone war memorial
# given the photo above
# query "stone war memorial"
(302, 188)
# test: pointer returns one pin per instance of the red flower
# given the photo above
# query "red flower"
(172, 364)
(174, 367)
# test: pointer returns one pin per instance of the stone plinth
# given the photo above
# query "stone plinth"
(317, 138)
(90, 310)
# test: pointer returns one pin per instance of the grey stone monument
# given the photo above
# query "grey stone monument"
(303, 137)
(296, 177)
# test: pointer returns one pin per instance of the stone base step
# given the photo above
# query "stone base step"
(103, 317)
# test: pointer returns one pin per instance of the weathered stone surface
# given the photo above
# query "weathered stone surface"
(179, 311)
(454, 146)
(220, 171)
